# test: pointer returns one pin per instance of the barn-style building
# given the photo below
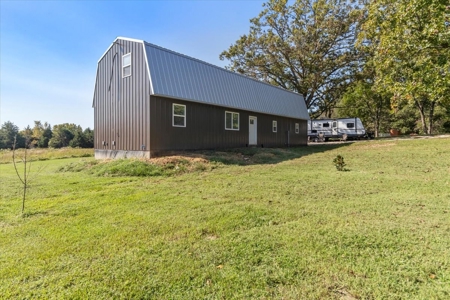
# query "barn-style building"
(149, 100)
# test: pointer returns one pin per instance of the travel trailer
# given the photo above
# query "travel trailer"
(344, 128)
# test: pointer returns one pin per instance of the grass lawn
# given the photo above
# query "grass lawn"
(239, 224)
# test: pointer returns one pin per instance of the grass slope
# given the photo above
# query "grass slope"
(267, 224)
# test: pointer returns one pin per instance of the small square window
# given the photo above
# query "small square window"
(126, 65)
(231, 120)
(179, 115)
(297, 128)
(326, 125)
(274, 126)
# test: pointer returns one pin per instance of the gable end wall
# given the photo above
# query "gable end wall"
(121, 105)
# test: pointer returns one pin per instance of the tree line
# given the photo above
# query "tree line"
(43, 135)
(385, 61)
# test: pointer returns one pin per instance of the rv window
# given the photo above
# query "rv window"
(231, 120)
(350, 125)
(297, 128)
(326, 125)
(274, 126)
(179, 115)
(126, 65)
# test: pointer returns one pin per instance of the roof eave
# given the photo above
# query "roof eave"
(230, 107)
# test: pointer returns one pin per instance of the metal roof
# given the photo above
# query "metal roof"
(175, 75)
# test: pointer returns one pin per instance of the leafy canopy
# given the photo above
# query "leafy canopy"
(306, 47)
(411, 41)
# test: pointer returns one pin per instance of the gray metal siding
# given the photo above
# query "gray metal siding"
(205, 128)
(122, 113)
(178, 76)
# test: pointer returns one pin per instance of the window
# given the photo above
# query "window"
(297, 128)
(231, 120)
(326, 125)
(126, 65)
(350, 125)
(179, 115)
(274, 126)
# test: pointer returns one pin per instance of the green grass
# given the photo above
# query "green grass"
(246, 224)
(45, 154)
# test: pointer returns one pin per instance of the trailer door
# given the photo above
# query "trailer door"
(334, 128)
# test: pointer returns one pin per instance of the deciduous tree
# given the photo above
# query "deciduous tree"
(371, 107)
(62, 134)
(306, 47)
(8, 132)
(411, 42)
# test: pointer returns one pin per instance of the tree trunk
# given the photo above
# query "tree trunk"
(423, 120)
(377, 127)
(24, 196)
(431, 116)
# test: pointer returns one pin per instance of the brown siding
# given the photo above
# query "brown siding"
(205, 128)
(122, 113)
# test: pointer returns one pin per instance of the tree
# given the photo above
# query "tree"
(371, 107)
(8, 132)
(45, 137)
(77, 140)
(62, 134)
(25, 179)
(88, 138)
(83, 139)
(306, 47)
(27, 134)
(411, 42)
(42, 133)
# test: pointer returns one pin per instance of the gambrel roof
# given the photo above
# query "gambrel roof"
(178, 76)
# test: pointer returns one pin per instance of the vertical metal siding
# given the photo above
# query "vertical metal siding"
(122, 113)
(205, 128)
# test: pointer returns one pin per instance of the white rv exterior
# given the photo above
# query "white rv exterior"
(336, 128)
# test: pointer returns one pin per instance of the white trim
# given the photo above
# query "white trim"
(174, 115)
(253, 130)
(115, 42)
(232, 114)
(148, 69)
(124, 66)
(129, 39)
(274, 128)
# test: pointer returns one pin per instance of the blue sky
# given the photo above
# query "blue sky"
(49, 49)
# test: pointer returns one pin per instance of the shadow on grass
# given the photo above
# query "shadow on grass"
(34, 214)
(255, 156)
(180, 162)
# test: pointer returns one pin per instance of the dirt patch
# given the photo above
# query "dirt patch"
(177, 158)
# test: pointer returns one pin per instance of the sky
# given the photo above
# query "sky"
(49, 50)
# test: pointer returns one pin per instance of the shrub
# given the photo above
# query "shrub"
(339, 163)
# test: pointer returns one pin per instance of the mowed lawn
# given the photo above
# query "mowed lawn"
(267, 224)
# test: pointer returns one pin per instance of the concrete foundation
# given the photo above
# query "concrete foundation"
(112, 154)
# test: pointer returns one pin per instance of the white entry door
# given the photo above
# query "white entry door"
(252, 130)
